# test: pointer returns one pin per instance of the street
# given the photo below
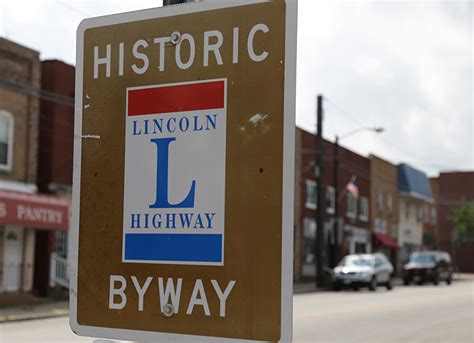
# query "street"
(407, 314)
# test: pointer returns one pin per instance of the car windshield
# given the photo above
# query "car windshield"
(356, 261)
(422, 258)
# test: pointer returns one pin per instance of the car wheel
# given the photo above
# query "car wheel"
(390, 283)
(436, 280)
(449, 280)
(336, 286)
(355, 289)
(406, 282)
(373, 284)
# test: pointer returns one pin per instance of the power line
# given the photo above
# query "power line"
(411, 156)
(38, 93)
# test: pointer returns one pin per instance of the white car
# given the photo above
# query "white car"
(364, 270)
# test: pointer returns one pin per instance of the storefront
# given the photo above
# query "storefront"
(21, 215)
(358, 239)
(385, 244)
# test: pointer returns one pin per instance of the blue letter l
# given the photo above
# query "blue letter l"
(161, 201)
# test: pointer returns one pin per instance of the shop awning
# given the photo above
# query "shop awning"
(34, 210)
(385, 240)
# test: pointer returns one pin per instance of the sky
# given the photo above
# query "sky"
(406, 66)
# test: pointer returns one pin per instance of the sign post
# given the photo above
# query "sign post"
(183, 173)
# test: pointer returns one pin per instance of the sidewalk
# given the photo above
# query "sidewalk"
(39, 311)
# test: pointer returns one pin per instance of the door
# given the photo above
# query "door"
(12, 257)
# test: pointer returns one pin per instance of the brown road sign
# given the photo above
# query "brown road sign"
(183, 173)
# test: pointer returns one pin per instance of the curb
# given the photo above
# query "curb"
(32, 316)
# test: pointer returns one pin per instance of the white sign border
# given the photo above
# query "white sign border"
(288, 171)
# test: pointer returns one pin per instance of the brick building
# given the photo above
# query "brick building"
(354, 228)
(22, 210)
(56, 132)
(430, 218)
(384, 206)
(454, 188)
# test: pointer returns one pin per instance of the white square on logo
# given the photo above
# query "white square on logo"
(174, 184)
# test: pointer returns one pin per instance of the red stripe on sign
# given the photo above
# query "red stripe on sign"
(179, 98)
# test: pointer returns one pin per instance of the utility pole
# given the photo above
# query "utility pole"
(320, 248)
(335, 252)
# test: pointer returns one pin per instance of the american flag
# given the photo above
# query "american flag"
(352, 188)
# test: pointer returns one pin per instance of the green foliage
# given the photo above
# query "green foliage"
(463, 222)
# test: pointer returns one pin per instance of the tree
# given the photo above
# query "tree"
(463, 222)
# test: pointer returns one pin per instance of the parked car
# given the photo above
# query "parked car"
(433, 266)
(365, 270)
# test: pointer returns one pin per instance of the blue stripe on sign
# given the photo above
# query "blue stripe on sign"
(173, 247)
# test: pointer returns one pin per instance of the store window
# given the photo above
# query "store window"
(311, 194)
(6, 140)
(360, 248)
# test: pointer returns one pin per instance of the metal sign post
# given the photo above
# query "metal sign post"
(183, 199)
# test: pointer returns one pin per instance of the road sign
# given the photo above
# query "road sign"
(183, 173)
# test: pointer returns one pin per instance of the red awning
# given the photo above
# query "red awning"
(35, 210)
(385, 240)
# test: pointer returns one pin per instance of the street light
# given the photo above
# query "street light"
(335, 249)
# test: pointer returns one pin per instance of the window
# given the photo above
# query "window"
(310, 194)
(433, 216)
(6, 140)
(60, 242)
(309, 237)
(364, 209)
(418, 213)
(389, 205)
(407, 210)
(427, 214)
(351, 206)
(380, 202)
(394, 231)
(331, 200)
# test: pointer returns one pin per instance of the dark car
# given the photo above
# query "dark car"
(432, 266)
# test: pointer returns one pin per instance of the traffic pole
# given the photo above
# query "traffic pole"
(335, 253)
(320, 248)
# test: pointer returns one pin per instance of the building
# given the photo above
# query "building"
(56, 132)
(454, 189)
(384, 207)
(353, 234)
(22, 210)
(430, 218)
(354, 211)
(414, 193)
